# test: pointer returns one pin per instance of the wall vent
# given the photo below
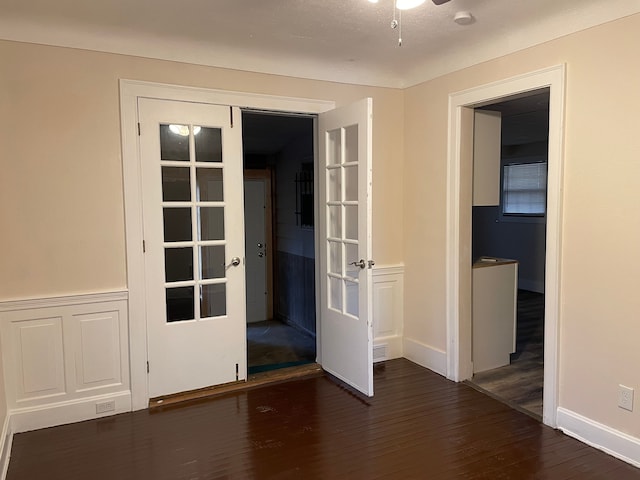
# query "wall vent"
(380, 352)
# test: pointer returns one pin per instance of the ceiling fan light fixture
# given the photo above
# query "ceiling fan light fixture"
(183, 130)
(408, 4)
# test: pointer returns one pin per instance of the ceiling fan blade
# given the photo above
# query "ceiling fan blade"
(440, 2)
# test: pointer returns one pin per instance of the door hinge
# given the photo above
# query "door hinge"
(237, 371)
(231, 116)
(138, 128)
(144, 246)
(147, 366)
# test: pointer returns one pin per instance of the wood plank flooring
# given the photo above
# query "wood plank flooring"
(417, 426)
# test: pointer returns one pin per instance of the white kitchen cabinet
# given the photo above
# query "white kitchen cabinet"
(495, 290)
(487, 144)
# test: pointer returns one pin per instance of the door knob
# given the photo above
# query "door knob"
(235, 261)
(360, 264)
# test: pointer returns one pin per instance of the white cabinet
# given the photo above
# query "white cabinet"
(487, 144)
(495, 290)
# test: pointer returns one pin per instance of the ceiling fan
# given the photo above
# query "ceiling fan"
(440, 2)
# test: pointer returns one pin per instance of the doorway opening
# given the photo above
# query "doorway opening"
(278, 156)
(509, 256)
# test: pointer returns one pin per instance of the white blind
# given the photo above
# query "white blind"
(524, 190)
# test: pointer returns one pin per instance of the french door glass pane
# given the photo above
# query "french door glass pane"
(335, 184)
(178, 264)
(335, 257)
(177, 224)
(352, 294)
(174, 142)
(351, 256)
(211, 223)
(180, 304)
(208, 144)
(335, 221)
(351, 144)
(351, 183)
(335, 293)
(176, 184)
(213, 300)
(334, 146)
(209, 182)
(351, 222)
(212, 262)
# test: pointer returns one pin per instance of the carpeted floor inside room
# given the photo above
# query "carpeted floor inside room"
(273, 344)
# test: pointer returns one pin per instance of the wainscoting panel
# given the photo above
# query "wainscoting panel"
(65, 354)
(387, 312)
(97, 350)
(37, 356)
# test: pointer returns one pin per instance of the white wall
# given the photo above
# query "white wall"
(601, 226)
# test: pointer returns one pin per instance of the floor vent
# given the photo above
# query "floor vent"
(379, 352)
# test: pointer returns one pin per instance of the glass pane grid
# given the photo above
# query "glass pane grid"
(211, 281)
(193, 206)
(185, 283)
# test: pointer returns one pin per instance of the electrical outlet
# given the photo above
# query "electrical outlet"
(108, 406)
(625, 397)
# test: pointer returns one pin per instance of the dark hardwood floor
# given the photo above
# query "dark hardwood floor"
(417, 426)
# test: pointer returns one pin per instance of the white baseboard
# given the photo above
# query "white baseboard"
(5, 446)
(32, 418)
(425, 355)
(615, 443)
(387, 348)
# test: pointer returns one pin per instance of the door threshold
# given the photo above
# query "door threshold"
(253, 381)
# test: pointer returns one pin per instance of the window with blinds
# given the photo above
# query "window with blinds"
(524, 189)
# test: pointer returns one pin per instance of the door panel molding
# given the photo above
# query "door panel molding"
(130, 91)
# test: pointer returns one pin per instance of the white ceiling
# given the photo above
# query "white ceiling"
(340, 40)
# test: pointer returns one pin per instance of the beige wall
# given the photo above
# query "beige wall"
(61, 202)
(599, 323)
(61, 198)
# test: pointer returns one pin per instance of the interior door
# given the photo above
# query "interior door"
(191, 159)
(345, 155)
(255, 206)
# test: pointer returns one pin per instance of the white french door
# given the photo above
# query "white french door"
(191, 158)
(345, 156)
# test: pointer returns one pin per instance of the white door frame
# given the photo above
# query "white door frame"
(130, 91)
(458, 255)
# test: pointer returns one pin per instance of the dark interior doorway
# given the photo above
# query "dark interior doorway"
(279, 148)
(516, 230)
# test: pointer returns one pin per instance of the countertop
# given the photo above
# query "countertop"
(492, 262)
